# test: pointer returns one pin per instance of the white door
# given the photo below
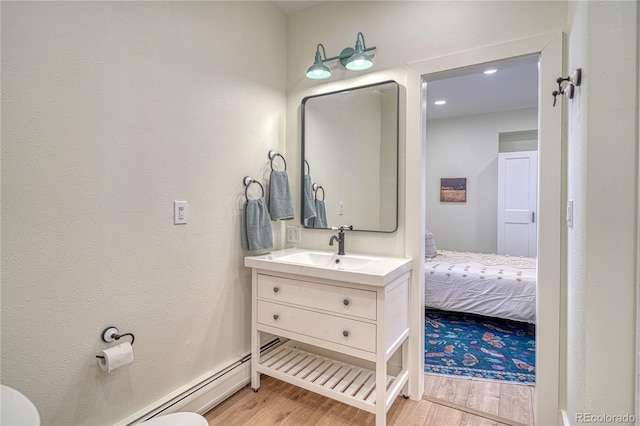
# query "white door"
(517, 203)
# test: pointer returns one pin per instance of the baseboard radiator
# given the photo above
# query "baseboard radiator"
(207, 393)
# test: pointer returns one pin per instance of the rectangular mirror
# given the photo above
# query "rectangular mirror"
(350, 158)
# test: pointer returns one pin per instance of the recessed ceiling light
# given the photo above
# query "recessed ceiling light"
(441, 102)
(491, 71)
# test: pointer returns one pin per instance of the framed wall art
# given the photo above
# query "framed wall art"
(453, 190)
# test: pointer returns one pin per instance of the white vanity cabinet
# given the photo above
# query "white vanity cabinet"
(339, 335)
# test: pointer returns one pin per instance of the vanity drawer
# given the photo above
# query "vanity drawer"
(342, 300)
(347, 332)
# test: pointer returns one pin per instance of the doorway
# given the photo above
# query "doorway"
(478, 120)
(549, 48)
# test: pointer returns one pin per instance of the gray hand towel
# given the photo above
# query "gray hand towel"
(309, 206)
(280, 202)
(320, 220)
(256, 226)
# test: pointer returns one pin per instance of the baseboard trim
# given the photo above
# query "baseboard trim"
(203, 394)
(198, 397)
(209, 396)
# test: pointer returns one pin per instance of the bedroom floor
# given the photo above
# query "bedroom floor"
(447, 401)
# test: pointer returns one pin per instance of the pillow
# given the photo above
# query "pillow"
(430, 249)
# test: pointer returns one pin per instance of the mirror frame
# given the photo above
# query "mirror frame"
(397, 149)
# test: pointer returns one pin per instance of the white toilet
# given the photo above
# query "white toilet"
(17, 409)
(177, 419)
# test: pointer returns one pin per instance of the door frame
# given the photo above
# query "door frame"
(550, 360)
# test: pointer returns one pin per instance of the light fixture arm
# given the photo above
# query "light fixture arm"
(358, 45)
(318, 57)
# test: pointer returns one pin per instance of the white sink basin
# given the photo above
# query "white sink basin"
(328, 260)
(364, 269)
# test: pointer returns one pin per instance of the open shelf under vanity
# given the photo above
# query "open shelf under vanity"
(339, 380)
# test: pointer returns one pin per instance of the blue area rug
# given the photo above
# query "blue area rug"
(479, 347)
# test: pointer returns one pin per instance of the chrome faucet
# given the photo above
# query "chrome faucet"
(340, 237)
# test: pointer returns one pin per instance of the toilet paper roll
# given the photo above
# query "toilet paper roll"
(116, 357)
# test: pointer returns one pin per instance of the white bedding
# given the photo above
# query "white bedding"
(483, 284)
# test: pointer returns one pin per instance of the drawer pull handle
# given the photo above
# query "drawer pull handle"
(346, 302)
(345, 333)
(276, 316)
(276, 289)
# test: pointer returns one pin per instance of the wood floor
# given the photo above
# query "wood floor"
(447, 401)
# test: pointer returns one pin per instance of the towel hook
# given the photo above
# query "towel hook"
(573, 80)
(247, 181)
(308, 168)
(272, 154)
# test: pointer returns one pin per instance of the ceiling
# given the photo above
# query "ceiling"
(469, 91)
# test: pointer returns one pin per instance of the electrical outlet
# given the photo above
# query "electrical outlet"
(294, 235)
(340, 208)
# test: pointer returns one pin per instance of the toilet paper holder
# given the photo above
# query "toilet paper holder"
(111, 333)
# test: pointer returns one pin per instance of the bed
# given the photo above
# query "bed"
(483, 284)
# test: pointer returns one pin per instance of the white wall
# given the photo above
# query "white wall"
(602, 182)
(468, 147)
(110, 111)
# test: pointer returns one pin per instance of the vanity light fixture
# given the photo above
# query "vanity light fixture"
(319, 71)
(354, 59)
(357, 59)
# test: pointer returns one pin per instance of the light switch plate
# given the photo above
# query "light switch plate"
(180, 212)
